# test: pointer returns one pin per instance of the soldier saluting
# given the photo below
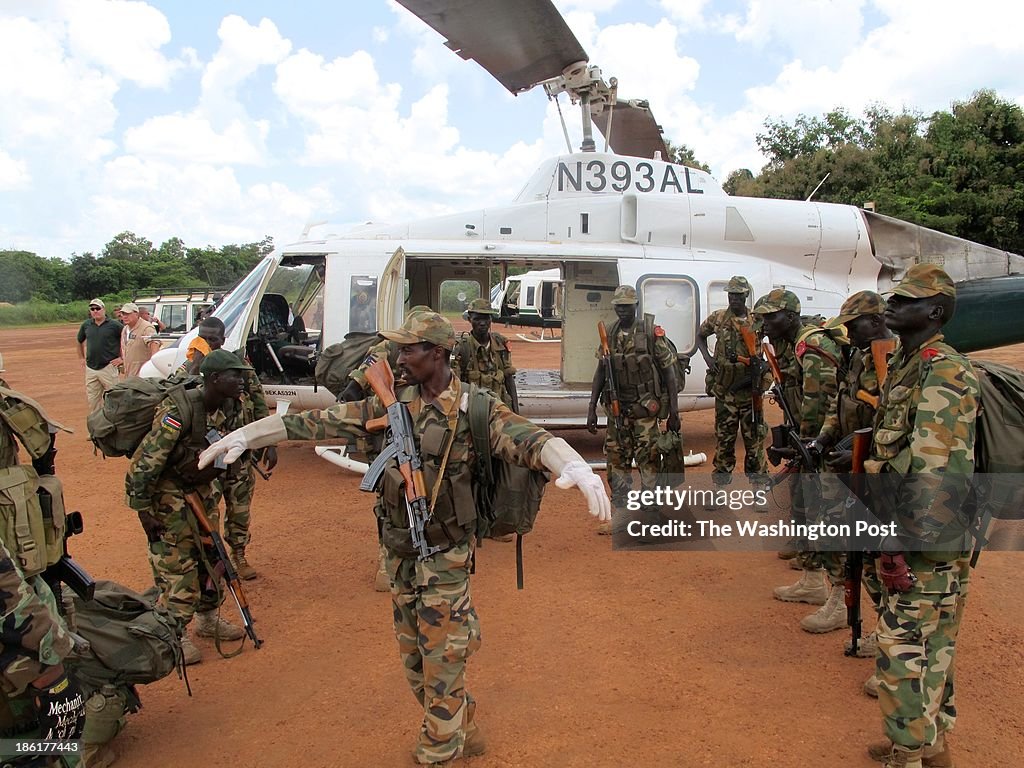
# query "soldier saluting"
(435, 622)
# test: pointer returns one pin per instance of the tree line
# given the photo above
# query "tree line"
(959, 171)
(127, 264)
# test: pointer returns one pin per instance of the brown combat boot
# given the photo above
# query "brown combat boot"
(189, 652)
(871, 685)
(867, 648)
(935, 756)
(209, 624)
(894, 756)
(245, 571)
(831, 616)
(810, 589)
(475, 743)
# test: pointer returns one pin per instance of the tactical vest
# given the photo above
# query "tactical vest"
(853, 412)
(454, 517)
(728, 346)
(182, 464)
(31, 507)
(637, 376)
(493, 379)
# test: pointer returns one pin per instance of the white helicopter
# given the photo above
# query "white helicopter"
(601, 219)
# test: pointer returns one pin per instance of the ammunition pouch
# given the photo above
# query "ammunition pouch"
(34, 540)
(26, 420)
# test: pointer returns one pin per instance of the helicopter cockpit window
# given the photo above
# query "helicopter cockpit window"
(234, 306)
(673, 302)
(363, 304)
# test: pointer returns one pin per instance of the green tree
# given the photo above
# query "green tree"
(683, 155)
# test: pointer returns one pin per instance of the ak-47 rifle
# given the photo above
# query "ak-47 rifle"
(755, 367)
(790, 430)
(210, 540)
(853, 571)
(402, 447)
(611, 391)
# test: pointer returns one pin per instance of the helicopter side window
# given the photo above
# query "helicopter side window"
(673, 302)
(362, 312)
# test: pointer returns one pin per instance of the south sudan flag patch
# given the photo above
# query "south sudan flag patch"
(171, 423)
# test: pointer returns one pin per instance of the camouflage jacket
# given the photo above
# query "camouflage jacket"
(925, 426)
(809, 370)
(639, 370)
(849, 411)
(31, 636)
(254, 402)
(724, 326)
(485, 365)
(154, 465)
(384, 349)
(512, 438)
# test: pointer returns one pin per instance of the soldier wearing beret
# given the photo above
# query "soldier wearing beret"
(731, 383)
(163, 468)
(924, 435)
(434, 618)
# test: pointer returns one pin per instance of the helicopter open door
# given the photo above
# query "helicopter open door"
(391, 292)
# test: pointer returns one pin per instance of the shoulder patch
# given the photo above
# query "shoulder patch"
(169, 422)
(930, 353)
(801, 347)
(659, 331)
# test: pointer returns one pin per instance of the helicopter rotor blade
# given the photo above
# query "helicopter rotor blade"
(521, 43)
(635, 132)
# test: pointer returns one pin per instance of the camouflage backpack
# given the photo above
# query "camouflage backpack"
(508, 496)
(128, 410)
(337, 361)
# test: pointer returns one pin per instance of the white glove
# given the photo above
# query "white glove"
(259, 434)
(579, 474)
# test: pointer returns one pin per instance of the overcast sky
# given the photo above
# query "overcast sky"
(226, 120)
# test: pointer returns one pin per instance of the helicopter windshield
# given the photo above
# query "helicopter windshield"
(232, 309)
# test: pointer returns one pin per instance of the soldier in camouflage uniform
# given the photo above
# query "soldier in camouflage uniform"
(853, 408)
(645, 378)
(924, 431)
(33, 639)
(238, 485)
(730, 384)
(484, 359)
(435, 621)
(359, 389)
(810, 360)
(162, 469)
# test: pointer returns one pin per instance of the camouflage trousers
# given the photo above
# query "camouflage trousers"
(176, 557)
(638, 442)
(18, 713)
(238, 489)
(437, 630)
(733, 415)
(916, 651)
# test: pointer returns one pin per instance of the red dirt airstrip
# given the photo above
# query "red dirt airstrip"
(606, 659)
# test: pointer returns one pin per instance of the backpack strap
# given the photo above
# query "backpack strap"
(479, 416)
(802, 347)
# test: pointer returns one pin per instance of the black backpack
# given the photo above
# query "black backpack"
(508, 496)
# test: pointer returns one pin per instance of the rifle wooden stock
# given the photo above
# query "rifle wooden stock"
(611, 391)
(880, 351)
(400, 433)
(773, 362)
(866, 397)
(854, 568)
(755, 363)
(210, 539)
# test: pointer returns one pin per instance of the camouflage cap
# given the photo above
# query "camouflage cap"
(481, 307)
(738, 284)
(924, 280)
(625, 294)
(777, 301)
(221, 360)
(860, 303)
(423, 326)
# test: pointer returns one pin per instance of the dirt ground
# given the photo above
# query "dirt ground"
(606, 659)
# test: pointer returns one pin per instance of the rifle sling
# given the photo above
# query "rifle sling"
(453, 419)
